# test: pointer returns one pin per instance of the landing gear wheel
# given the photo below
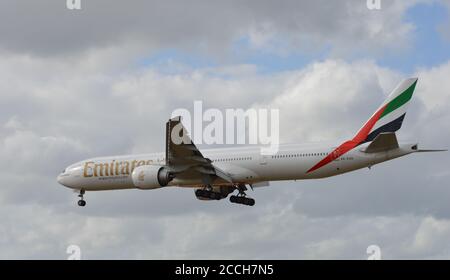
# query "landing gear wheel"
(208, 194)
(241, 197)
(199, 193)
(242, 200)
(215, 196)
(250, 202)
(81, 202)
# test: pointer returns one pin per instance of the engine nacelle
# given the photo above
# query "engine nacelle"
(151, 176)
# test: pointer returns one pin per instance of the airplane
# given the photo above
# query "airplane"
(216, 173)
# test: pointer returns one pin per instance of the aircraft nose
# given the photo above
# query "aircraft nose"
(62, 179)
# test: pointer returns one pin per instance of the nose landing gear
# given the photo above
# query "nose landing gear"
(81, 202)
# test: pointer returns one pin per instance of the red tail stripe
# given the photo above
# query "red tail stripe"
(349, 145)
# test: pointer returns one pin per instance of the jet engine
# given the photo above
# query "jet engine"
(151, 176)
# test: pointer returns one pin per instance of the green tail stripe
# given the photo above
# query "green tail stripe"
(399, 100)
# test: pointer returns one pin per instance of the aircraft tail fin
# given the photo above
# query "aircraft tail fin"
(390, 115)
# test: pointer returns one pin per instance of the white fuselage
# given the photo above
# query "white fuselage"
(244, 165)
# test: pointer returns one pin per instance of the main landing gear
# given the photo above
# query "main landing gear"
(207, 193)
(81, 202)
(241, 197)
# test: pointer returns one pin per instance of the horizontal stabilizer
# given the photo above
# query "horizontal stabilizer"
(383, 142)
(431, 151)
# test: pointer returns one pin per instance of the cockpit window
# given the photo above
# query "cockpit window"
(64, 171)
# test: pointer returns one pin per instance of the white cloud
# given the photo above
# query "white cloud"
(431, 236)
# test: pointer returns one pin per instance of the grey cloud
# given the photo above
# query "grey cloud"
(48, 28)
(388, 189)
(272, 232)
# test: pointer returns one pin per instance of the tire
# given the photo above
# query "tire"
(250, 202)
(215, 196)
(201, 193)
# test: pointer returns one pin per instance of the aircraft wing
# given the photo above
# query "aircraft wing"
(383, 142)
(184, 158)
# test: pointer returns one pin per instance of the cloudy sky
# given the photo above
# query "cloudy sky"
(103, 80)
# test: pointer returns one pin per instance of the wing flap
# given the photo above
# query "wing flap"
(183, 155)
